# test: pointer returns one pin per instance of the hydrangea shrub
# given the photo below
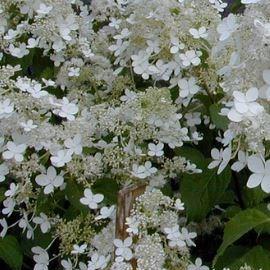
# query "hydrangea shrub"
(171, 95)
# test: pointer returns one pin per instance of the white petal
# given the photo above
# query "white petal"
(252, 94)
(234, 116)
(118, 243)
(239, 96)
(92, 205)
(266, 76)
(84, 201)
(98, 198)
(58, 181)
(241, 107)
(238, 166)
(226, 154)
(254, 180)
(266, 184)
(8, 155)
(213, 164)
(48, 189)
(42, 180)
(51, 172)
(222, 166)
(255, 164)
(174, 49)
(128, 242)
(88, 193)
(215, 154)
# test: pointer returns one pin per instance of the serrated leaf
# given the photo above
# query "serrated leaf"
(237, 256)
(231, 255)
(10, 252)
(239, 225)
(201, 192)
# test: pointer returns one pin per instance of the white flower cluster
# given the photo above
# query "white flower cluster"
(159, 214)
(241, 59)
(109, 92)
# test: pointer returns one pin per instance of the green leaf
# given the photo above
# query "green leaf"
(109, 188)
(218, 120)
(2, 194)
(253, 196)
(231, 255)
(10, 252)
(264, 228)
(237, 256)
(74, 193)
(201, 192)
(239, 225)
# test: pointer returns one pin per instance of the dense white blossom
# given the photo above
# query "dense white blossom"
(100, 97)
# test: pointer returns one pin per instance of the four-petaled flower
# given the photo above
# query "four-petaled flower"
(245, 105)
(41, 258)
(67, 264)
(227, 27)
(11, 192)
(188, 236)
(188, 87)
(43, 221)
(123, 248)
(90, 199)
(79, 249)
(174, 237)
(221, 158)
(50, 180)
(44, 9)
(105, 212)
(179, 205)
(143, 171)
(67, 109)
(61, 158)
(74, 72)
(190, 57)
(198, 265)
(198, 33)
(28, 126)
(15, 151)
(74, 145)
(97, 262)
(6, 108)
(155, 149)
